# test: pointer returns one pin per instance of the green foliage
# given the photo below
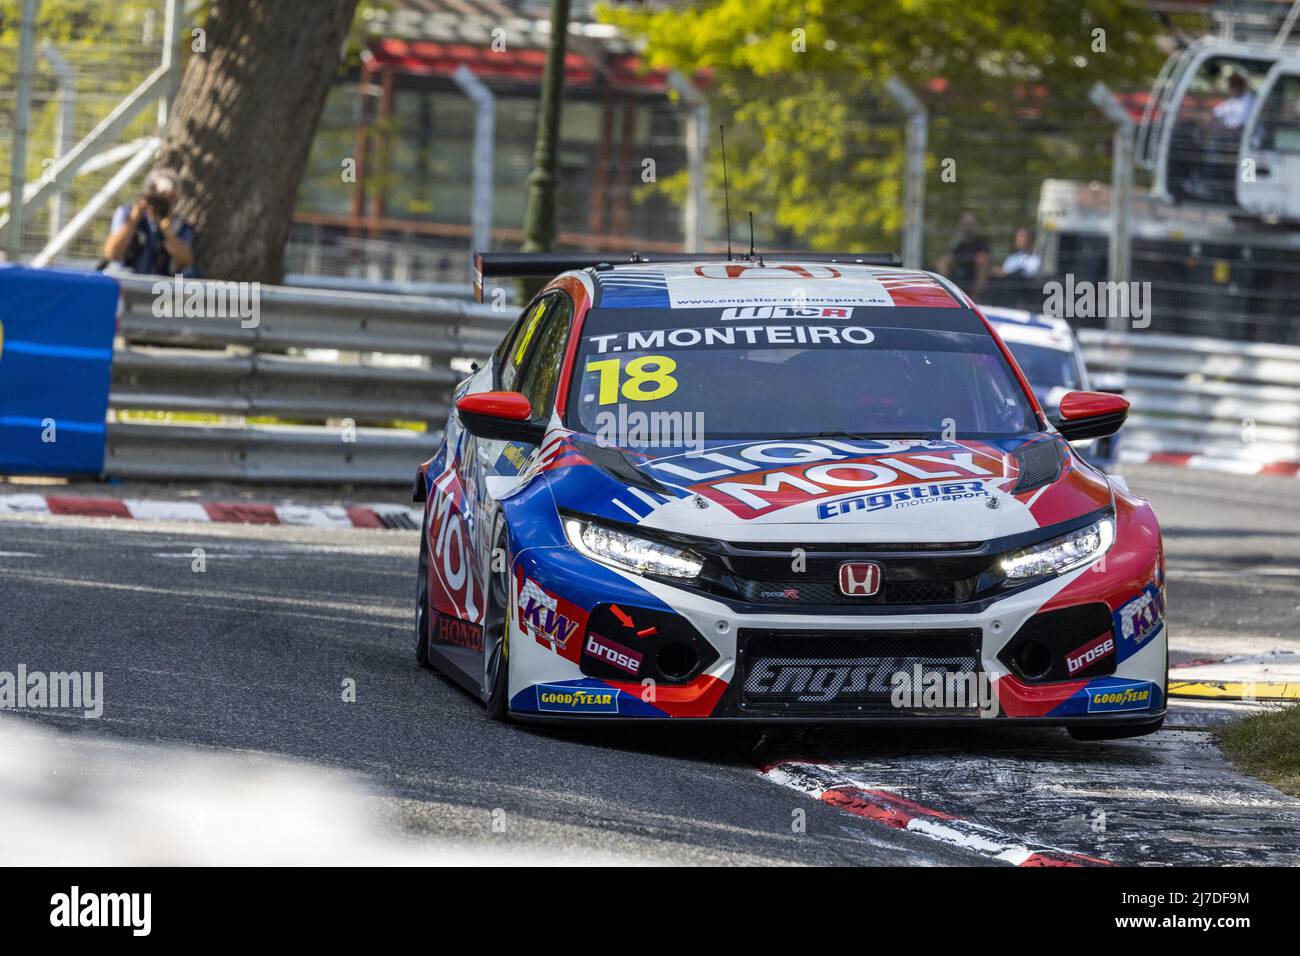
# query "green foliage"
(111, 48)
(93, 31)
(112, 45)
(817, 145)
(1267, 746)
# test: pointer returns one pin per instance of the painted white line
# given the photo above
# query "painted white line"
(390, 512)
(306, 516)
(635, 516)
(1228, 465)
(224, 556)
(1214, 574)
(833, 785)
(23, 505)
(146, 510)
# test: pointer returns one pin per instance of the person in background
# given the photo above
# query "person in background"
(967, 261)
(1022, 263)
(148, 236)
(1233, 113)
(1215, 178)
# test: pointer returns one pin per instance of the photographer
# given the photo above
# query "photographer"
(148, 236)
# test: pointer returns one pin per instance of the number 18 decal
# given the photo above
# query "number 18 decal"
(640, 385)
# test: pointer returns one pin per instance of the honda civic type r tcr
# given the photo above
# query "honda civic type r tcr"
(812, 490)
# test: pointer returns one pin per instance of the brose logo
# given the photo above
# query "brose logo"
(614, 653)
(1091, 652)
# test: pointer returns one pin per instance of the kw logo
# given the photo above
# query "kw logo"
(539, 618)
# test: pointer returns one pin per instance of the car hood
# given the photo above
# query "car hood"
(828, 490)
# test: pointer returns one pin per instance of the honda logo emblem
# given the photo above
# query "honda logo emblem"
(859, 578)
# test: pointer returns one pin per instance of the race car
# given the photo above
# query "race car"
(1048, 353)
(814, 489)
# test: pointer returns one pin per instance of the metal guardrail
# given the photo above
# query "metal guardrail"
(376, 359)
(1232, 400)
(339, 357)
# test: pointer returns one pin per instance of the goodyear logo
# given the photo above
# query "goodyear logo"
(1119, 698)
(515, 455)
(576, 700)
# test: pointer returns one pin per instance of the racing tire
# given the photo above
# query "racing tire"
(1091, 732)
(422, 605)
(496, 637)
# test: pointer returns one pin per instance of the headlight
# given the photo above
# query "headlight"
(630, 552)
(1062, 554)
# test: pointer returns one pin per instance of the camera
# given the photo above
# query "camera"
(160, 205)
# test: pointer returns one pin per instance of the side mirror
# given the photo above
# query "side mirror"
(1086, 415)
(500, 416)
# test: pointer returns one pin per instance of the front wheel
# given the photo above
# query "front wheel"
(496, 634)
(422, 605)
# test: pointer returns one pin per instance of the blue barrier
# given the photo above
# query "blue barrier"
(56, 352)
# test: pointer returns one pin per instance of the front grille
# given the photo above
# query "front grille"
(1046, 644)
(910, 575)
(853, 672)
(781, 593)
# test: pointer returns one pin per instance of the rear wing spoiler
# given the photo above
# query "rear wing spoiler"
(546, 265)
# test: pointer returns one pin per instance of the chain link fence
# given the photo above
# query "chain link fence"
(1029, 169)
(86, 62)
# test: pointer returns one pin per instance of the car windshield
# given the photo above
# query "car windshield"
(772, 372)
(1046, 368)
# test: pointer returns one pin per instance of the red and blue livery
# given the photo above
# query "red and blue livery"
(813, 489)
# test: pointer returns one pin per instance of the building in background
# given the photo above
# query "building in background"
(409, 129)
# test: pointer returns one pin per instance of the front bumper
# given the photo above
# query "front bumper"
(557, 682)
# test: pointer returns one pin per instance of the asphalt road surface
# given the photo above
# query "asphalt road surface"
(254, 655)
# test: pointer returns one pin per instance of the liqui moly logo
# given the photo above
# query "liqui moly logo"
(756, 479)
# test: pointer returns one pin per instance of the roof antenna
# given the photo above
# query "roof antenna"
(752, 256)
(726, 197)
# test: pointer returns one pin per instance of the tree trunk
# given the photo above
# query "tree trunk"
(243, 123)
(539, 213)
